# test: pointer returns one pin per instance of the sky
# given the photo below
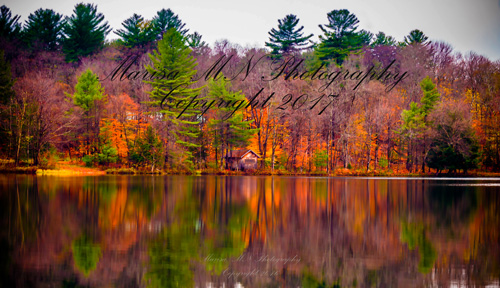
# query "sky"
(467, 25)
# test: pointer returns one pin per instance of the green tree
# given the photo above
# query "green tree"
(88, 95)
(173, 94)
(427, 105)
(43, 29)
(365, 37)
(9, 26)
(411, 129)
(454, 145)
(229, 127)
(166, 19)
(430, 98)
(85, 32)
(384, 40)
(88, 90)
(6, 95)
(6, 81)
(108, 154)
(320, 159)
(194, 40)
(148, 150)
(415, 37)
(136, 32)
(416, 124)
(340, 37)
(288, 39)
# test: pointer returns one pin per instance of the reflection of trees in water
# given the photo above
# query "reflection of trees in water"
(20, 220)
(86, 254)
(106, 212)
(176, 245)
(452, 204)
(414, 235)
(477, 263)
(350, 232)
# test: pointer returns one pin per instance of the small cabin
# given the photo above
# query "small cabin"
(241, 160)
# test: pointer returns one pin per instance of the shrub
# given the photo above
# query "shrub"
(88, 160)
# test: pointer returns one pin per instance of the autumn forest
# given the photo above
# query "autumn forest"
(158, 99)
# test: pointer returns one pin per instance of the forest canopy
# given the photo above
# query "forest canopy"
(160, 98)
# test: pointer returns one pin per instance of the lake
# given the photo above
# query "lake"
(245, 231)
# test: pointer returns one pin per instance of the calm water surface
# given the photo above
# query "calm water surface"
(213, 231)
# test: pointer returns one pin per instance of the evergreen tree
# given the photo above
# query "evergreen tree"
(6, 81)
(148, 150)
(194, 41)
(430, 98)
(415, 37)
(6, 94)
(448, 153)
(137, 32)
(365, 37)
(85, 32)
(287, 39)
(340, 37)
(417, 115)
(384, 40)
(43, 29)
(231, 129)
(9, 26)
(415, 120)
(108, 153)
(88, 94)
(166, 19)
(88, 90)
(173, 56)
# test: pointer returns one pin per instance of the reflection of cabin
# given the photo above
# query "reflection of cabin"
(243, 159)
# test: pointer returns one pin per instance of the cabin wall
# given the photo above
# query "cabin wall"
(248, 162)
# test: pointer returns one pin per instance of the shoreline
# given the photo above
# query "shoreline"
(85, 171)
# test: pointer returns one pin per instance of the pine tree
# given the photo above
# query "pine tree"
(166, 19)
(148, 150)
(230, 128)
(88, 90)
(430, 98)
(43, 29)
(384, 40)
(9, 26)
(415, 37)
(137, 32)
(85, 33)
(173, 57)
(6, 94)
(287, 39)
(365, 37)
(415, 121)
(88, 93)
(194, 41)
(6, 81)
(445, 154)
(340, 37)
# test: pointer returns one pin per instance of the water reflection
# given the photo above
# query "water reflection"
(183, 231)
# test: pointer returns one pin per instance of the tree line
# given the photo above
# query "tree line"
(57, 102)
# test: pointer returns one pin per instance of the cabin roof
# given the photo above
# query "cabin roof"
(240, 153)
